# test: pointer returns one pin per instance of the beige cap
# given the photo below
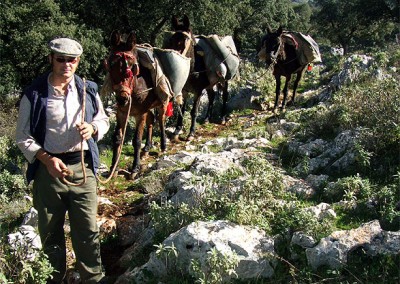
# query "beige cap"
(66, 46)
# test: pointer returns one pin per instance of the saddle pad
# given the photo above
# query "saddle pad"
(175, 66)
(226, 50)
(308, 48)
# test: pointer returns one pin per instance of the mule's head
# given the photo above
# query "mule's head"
(122, 65)
(271, 45)
(182, 40)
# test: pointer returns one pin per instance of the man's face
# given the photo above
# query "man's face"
(64, 66)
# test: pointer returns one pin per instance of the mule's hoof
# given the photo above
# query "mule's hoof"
(175, 138)
(190, 138)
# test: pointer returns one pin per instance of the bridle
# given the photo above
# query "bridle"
(128, 71)
(279, 51)
(188, 41)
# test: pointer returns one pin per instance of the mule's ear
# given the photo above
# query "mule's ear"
(115, 38)
(269, 30)
(131, 41)
(174, 22)
(186, 22)
(280, 30)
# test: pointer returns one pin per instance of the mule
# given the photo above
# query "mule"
(184, 42)
(279, 53)
(135, 93)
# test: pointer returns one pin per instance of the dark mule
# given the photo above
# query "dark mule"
(279, 52)
(133, 83)
(184, 42)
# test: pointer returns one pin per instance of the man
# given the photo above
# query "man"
(50, 134)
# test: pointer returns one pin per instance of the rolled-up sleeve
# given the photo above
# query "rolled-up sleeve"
(25, 142)
(101, 119)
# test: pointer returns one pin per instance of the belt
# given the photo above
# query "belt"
(70, 158)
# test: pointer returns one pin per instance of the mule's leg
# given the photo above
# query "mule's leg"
(161, 121)
(224, 100)
(285, 91)
(179, 120)
(137, 142)
(277, 91)
(296, 83)
(193, 114)
(211, 98)
(149, 133)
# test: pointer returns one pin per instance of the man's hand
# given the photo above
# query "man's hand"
(55, 166)
(86, 130)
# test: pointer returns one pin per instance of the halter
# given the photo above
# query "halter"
(129, 72)
(188, 41)
(279, 51)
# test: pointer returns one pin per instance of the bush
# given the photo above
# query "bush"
(18, 265)
(11, 186)
(374, 105)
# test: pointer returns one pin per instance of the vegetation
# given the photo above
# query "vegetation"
(369, 191)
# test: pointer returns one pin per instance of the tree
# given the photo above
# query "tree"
(26, 26)
(346, 23)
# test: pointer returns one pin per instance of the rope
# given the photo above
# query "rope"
(119, 148)
(68, 171)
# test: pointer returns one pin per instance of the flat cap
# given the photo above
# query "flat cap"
(66, 46)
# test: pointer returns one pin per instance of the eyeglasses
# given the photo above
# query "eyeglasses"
(68, 60)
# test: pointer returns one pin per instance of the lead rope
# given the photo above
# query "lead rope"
(119, 148)
(68, 171)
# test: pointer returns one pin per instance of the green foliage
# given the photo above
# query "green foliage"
(168, 254)
(217, 267)
(168, 218)
(292, 217)
(260, 201)
(377, 114)
(18, 265)
(26, 28)
(319, 122)
(349, 189)
(388, 198)
(11, 158)
(350, 23)
(11, 186)
(372, 269)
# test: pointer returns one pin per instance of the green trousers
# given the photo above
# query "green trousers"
(53, 199)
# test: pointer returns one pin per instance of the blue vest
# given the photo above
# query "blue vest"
(37, 94)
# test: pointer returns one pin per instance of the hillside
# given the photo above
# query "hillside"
(309, 195)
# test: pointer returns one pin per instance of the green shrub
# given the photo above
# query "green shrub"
(17, 266)
(373, 107)
(168, 218)
(8, 116)
(216, 268)
(351, 189)
(11, 158)
(11, 186)
(388, 204)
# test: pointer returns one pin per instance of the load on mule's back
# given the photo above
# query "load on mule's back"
(287, 53)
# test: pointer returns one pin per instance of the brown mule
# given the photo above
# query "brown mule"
(282, 57)
(135, 92)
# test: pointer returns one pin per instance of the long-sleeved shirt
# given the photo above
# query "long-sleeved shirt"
(63, 114)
